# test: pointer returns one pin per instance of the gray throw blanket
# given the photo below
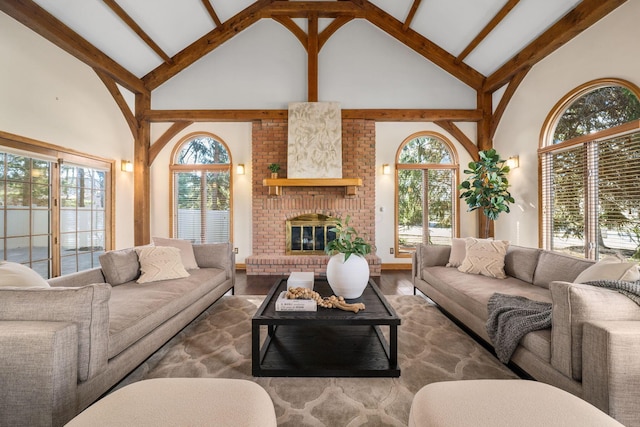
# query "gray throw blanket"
(510, 318)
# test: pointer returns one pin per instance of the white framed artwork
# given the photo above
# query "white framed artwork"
(315, 140)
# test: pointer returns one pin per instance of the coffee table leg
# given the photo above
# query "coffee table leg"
(255, 350)
(393, 345)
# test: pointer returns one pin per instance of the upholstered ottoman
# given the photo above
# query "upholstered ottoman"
(182, 402)
(498, 403)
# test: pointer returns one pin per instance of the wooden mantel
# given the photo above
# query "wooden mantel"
(350, 184)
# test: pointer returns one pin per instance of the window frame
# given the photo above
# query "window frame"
(454, 166)
(58, 155)
(200, 167)
(590, 142)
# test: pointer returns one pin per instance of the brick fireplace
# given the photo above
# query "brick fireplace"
(270, 213)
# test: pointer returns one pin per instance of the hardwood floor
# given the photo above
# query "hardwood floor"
(390, 283)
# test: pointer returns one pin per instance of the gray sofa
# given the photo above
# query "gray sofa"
(593, 347)
(63, 347)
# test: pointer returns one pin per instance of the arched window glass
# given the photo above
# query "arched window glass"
(590, 166)
(426, 181)
(201, 182)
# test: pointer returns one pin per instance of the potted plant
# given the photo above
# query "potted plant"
(486, 187)
(274, 168)
(347, 270)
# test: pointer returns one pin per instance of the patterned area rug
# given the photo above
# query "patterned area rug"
(430, 348)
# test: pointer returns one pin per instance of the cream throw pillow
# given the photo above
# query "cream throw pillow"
(160, 263)
(16, 275)
(186, 250)
(610, 268)
(485, 257)
(458, 252)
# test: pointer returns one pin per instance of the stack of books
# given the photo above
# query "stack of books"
(297, 279)
(285, 304)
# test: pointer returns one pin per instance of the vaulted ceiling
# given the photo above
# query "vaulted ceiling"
(142, 44)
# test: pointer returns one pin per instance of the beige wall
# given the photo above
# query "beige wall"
(608, 49)
(47, 95)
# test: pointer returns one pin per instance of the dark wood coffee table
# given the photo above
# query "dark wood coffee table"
(327, 342)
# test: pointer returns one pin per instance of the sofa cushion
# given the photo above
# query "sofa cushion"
(610, 268)
(160, 263)
(186, 250)
(472, 292)
(137, 309)
(485, 257)
(17, 275)
(554, 266)
(458, 252)
(521, 262)
(120, 266)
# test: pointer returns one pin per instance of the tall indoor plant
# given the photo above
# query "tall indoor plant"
(486, 187)
(348, 269)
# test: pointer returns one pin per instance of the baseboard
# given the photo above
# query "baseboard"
(396, 267)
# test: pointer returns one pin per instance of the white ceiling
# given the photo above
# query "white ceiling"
(173, 25)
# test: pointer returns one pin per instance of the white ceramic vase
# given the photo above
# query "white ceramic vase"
(348, 279)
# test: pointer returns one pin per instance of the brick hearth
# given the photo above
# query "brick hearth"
(271, 213)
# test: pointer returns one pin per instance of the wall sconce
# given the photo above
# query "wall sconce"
(240, 169)
(386, 169)
(513, 162)
(126, 166)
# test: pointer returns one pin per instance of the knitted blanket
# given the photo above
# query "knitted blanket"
(510, 318)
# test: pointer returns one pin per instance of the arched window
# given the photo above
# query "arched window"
(201, 183)
(426, 202)
(590, 154)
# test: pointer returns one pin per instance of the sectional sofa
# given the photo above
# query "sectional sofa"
(64, 346)
(592, 349)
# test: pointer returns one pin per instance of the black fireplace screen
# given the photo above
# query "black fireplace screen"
(309, 234)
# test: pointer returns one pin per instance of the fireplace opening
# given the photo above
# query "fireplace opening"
(309, 234)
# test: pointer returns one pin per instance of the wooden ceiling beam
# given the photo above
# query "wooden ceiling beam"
(585, 14)
(212, 13)
(487, 29)
(303, 9)
(206, 44)
(457, 133)
(381, 115)
(421, 45)
(411, 14)
(165, 138)
(290, 25)
(504, 101)
(42, 22)
(131, 23)
(312, 59)
(332, 28)
(120, 101)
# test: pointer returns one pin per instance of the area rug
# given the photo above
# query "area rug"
(431, 348)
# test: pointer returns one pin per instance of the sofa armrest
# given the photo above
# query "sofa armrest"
(573, 305)
(38, 372)
(429, 256)
(611, 368)
(87, 307)
(216, 255)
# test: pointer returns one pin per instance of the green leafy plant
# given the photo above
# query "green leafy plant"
(274, 167)
(487, 186)
(347, 241)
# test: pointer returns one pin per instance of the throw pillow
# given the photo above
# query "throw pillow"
(120, 266)
(186, 250)
(485, 257)
(610, 268)
(16, 275)
(160, 263)
(458, 252)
